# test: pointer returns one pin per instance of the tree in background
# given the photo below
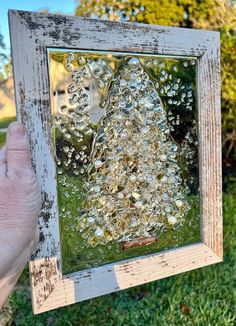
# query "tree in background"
(217, 15)
(3, 58)
(2, 47)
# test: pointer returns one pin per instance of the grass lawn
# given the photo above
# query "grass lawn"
(2, 139)
(4, 123)
(204, 297)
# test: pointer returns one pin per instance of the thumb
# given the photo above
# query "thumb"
(3, 161)
(17, 148)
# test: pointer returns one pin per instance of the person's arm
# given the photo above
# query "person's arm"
(20, 203)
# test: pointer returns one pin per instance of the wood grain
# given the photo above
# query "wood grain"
(31, 35)
(102, 280)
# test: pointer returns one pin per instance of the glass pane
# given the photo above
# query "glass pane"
(126, 145)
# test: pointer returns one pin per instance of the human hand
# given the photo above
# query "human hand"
(20, 203)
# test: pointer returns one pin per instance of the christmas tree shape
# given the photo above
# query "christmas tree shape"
(134, 184)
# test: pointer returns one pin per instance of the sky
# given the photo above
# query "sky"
(65, 6)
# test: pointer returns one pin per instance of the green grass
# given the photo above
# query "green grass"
(4, 123)
(207, 292)
(2, 138)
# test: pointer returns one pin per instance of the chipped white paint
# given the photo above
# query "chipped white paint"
(31, 35)
(98, 281)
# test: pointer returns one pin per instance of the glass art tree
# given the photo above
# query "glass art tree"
(134, 185)
(125, 135)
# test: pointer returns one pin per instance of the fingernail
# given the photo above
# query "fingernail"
(16, 129)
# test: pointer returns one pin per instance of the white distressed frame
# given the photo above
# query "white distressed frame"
(31, 35)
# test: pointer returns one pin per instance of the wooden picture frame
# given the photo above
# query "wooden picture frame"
(31, 35)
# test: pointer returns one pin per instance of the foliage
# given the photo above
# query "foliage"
(6, 71)
(201, 297)
(5, 64)
(228, 62)
(211, 14)
(2, 48)
(206, 14)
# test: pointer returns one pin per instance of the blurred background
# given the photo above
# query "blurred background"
(202, 297)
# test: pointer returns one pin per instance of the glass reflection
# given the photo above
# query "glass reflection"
(125, 133)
